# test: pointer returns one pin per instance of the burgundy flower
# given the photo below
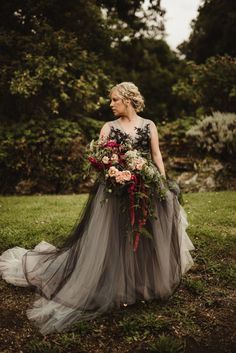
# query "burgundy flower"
(95, 163)
(111, 144)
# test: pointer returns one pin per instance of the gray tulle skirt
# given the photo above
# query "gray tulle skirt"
(97, 269)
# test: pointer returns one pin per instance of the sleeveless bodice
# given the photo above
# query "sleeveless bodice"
(140, 140)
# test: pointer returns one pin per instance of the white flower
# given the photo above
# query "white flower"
(131, 165)
(149, 172)
(131, 154)
(105, 160)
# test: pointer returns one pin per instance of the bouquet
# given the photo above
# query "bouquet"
(125, 170)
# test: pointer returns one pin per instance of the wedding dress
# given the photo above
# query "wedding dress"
(97, 269)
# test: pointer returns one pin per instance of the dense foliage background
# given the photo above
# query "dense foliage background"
(58, 60)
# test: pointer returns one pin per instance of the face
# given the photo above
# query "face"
(117, 104)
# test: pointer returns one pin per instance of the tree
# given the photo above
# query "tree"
(46, 68)
(55, 56)
(209, 86)
(213, 31)
(152, 65)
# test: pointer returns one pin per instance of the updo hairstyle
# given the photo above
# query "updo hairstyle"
(128, 91)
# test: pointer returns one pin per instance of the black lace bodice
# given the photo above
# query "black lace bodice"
(141, 140)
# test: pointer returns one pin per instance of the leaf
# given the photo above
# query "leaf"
(146, 233)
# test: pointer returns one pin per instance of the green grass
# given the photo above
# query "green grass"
(26, 220)
(198, 316)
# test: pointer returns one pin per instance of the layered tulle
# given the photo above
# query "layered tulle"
(97, 268)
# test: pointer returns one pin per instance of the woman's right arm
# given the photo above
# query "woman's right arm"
(155, 149)
(105, 130)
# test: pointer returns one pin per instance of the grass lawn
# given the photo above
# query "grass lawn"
(199, 317)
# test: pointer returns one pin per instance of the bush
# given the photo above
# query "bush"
(216, 133)
(90, 127)
(41, 156)
(175, 131)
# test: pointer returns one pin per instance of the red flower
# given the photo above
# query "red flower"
(95, 163)
(111, 144)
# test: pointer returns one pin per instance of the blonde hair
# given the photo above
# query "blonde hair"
(128, 91)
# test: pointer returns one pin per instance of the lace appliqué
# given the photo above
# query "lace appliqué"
(141, 141)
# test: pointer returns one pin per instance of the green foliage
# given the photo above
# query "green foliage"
(48, 62)
(131, 14)
(139, 327)
(213, 31)
(84, 327)
(155, 69)
(65, 81)
(57, 57)
(216, 133)
(175, 131)
(90, 127)
(41, 156)
(41, 346)
(210, 86)
(194, 286)
(167, 344)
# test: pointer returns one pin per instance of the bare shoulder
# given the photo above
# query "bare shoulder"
(105, 130)
(151, 124)
(106, 125)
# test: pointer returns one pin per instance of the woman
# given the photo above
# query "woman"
(97, 268)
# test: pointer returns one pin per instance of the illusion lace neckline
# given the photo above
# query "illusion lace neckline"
(135, 129)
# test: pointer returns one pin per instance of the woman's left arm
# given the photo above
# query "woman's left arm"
(155, 149)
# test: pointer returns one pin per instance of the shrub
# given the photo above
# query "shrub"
(216, 133)
(41, 156)
(175, 131)
(90, 127)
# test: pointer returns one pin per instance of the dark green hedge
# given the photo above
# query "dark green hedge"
(44, 156)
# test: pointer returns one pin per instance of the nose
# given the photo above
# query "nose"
(111, 104)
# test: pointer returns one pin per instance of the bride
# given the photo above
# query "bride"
(97, 268)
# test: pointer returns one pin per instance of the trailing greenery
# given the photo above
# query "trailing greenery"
(216, 133)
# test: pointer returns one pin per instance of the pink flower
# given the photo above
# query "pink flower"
(120, 178)
(126, 175)
(112, 172)
(139, 163)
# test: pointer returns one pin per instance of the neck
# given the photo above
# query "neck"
(129, 116)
